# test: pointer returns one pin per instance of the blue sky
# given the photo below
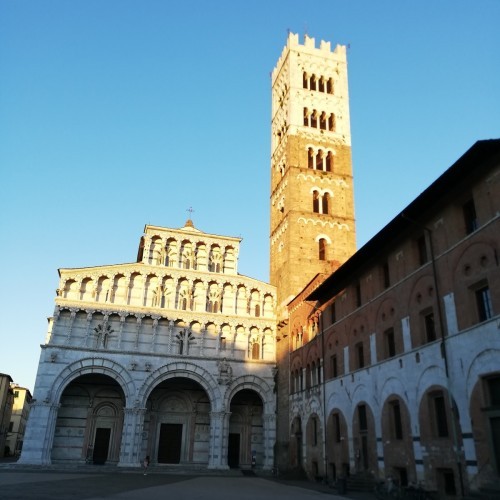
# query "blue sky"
(116, 114)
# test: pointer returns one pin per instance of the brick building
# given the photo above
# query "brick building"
(394, 363)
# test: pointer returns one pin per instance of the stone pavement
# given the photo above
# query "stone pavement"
(95, 483)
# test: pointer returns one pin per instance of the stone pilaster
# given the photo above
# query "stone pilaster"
(133, 425)
(39, 435)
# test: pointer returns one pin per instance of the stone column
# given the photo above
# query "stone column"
(219, 424)
(86, 342)
(126, 288)
(39, 435)
(155, 331)
(170, 334)
(138, 330)
(133, 425)
(120, 331)
(70, 328)
(203, 335)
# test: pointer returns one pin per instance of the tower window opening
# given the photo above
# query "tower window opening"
(316, 202)
(306, 117)
(325, 203)
(313, 82)
(310, 158)
(314, 119)
(322, 249)
(331, 123)
(329, 162)
(321, 84)
(319, 161)
(304, 80)
(322, 121)
(329, 86)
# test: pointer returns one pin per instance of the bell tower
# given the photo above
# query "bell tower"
(312, 199)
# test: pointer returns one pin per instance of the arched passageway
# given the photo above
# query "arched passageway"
(89, 421)
(246, 430)
(177, 423)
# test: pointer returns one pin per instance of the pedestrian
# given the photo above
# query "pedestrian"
(146, 464)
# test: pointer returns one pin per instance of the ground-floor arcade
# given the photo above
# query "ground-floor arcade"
(95, 410)
(413, 424)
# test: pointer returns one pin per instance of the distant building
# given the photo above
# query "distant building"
(395, 357)
(6, 402)
(172, 356)
(20, 413)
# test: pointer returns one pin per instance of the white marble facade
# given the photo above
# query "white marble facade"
(172, 356)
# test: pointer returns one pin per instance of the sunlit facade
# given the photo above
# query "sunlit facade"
(20, 412)
(172, 357)
(394, 364)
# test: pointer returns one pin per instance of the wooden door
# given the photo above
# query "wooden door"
(170, 444)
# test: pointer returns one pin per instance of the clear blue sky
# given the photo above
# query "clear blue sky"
(115, 114)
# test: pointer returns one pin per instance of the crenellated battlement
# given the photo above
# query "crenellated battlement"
(324, 50)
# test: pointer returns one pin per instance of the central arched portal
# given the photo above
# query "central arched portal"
(246, 430)
(177, 423)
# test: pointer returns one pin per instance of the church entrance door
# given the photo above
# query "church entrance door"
(101, 445)
(233, 451)
(170, 443)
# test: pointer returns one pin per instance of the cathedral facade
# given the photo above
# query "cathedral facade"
(171, 357)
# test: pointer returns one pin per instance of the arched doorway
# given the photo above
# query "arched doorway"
(397, 439)
(364, 440)
(177, 423)
(246, 437)
(89, 421)
(337, 449)
(296, 443)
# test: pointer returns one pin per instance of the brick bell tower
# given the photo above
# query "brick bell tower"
(312, 198)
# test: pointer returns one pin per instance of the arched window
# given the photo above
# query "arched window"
(313, 82)
(306, 117)
(257, 310)
(314, 119)
(316, 202)
(329, 161)
(304, 80)
(329, 86)
(319, 161)
(255, 350)
(184, 303)
(322, 121)
(331, 123)
(310, 158)
(325, 203)
(322, 249)
(321, 84)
